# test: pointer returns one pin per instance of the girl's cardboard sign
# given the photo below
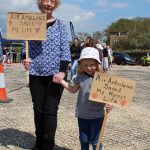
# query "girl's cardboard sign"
(112, 89)
(26, 26)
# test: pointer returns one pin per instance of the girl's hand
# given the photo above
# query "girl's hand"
(27, 63)
(108, 107)
(58, 77)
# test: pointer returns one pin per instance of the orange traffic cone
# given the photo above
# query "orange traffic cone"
(3, 96)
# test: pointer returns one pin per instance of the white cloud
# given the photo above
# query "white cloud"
(88, 15)
(131, 17)
(102, 3)
(21, 2)
(80, 17)
(18, 6)
(85, 16)
(77, 1)
(148, 1)
(68, 12)
(119, 5)
(74, 13)
(105, 4)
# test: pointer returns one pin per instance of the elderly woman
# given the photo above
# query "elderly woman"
(47, 66)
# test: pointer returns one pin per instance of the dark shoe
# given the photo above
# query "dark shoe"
(35, 148)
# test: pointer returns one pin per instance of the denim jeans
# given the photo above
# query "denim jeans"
(73, 68)
(89, 131)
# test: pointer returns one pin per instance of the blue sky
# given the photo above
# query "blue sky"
(86, 15)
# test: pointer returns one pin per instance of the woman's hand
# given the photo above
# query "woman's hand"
(70, 66)
(58, 77)
(108, 107)
(26, 63)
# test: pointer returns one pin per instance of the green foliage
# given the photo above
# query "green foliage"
(139, 33)
(83, 35)
(124, 44)
(97, 35)
(138, 37)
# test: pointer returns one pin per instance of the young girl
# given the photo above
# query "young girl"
(90, 114)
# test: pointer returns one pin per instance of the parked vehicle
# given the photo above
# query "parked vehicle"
(145, 60)
(123, 59)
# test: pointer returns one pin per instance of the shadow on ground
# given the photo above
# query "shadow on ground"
(19, 139)
(61, 148)
(16, 138)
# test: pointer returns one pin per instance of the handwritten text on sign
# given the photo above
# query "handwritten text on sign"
(26, 26)
(112, 89)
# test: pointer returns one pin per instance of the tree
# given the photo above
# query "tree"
(83, 35)
(97, 35)
(139, 33)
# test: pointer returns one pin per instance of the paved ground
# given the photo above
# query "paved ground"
(125, 130)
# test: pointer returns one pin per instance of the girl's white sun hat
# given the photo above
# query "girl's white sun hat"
(89, 52)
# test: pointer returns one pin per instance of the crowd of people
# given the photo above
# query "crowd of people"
(105, 54)
(9, 56)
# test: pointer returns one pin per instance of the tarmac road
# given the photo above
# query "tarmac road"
(125, 130)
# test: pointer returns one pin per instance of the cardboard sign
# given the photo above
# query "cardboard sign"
(112, 89)
(26, 26)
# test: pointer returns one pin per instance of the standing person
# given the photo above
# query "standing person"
(8, 56)
(110, 56)
(105, 58)
(47, 64)
(75, 50)
(89, 42)
(100, 49)
(1, 52)
(90, 114)
(14, 55)
(4, 56)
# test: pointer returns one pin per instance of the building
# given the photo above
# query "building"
(115, 36)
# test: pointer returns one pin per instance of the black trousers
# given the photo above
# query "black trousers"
(14, 58)
(46, 96)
